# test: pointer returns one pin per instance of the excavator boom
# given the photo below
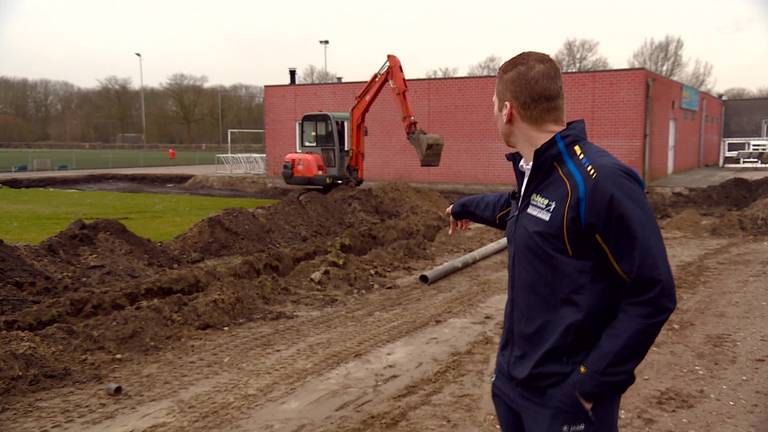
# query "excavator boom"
(326, 156)
(429, 147)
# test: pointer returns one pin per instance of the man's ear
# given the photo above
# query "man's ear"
(508, 112)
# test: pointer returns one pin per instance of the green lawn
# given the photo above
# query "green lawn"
(93, 159)
(32, 215)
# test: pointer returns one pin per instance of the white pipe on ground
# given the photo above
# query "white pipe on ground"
(467, 260)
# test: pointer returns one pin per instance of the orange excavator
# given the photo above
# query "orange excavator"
(330, 145)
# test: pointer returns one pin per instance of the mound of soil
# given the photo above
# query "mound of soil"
(753, 220)
(97, 253)
(17, 275)
(733, 194)
(96, 290)
(689, 221)
(757, 212)
(309, 223)
(27, 361)
(734, 207)
(249, 185)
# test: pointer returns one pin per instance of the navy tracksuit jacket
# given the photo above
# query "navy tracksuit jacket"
(589, 281)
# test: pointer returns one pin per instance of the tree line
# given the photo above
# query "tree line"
(665, 56)
(181, 110)
(184, 109)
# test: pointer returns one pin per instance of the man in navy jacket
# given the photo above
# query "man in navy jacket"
(589, 281)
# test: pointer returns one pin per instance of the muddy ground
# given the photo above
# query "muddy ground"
(306, 316)
(211, 185)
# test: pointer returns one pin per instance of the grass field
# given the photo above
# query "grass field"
(32, 215)
(92, 159)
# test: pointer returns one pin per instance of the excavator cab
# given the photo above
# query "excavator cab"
(322, 150)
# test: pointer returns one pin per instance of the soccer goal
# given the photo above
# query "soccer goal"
(243, 163)
(129, 138)
(241, 136)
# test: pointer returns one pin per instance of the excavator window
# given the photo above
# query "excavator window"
(317, 133)
(341, 129)
(309, 133)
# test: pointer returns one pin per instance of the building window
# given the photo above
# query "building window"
(764, 128)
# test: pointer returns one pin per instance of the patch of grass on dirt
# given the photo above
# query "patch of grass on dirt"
(32, 215)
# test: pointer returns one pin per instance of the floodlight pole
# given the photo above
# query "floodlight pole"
(141, 91)
(325, 43)
(221, 123)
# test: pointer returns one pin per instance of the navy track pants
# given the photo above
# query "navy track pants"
(557, 409)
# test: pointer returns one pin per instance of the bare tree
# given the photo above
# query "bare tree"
(665, 57)
(183, 108)
(699, 76)
(738, 93)
(488, 66)
(65, 108)
(312, 74)
(119, 101)
(43, 103)
(15, 108)
(442, 72)
(242, 107)
(579, 55)
(185, 92)
(761, 92)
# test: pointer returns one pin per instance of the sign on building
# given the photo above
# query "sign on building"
(690, 98)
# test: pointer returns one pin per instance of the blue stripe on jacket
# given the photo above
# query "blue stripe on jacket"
(576, 175)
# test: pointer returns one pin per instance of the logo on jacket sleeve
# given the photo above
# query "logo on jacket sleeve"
(541, 207)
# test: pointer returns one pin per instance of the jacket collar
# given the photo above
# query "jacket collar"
(574, 132)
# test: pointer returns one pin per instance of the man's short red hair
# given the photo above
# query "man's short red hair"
(531, 81)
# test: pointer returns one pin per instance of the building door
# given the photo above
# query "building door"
(671, 151)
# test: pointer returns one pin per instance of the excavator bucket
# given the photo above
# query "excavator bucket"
(428, 146)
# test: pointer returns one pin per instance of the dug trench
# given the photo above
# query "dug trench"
(304, 298)
(96, 292)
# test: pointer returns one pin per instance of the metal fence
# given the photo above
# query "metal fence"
(744, 152)
(18, 160)
(241, 163)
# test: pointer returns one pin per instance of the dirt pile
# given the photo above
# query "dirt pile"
(17, 275)
(355, 220)
(734, 194)
(258, 186)
(27, 361)
(107, 292)
(734, 207)
(751, 220)
(87, 253)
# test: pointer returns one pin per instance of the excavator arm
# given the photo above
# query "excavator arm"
(429, 147)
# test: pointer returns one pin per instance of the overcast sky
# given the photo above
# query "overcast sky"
(255, 42)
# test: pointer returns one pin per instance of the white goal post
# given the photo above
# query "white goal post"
(241, 163)
(237, 131)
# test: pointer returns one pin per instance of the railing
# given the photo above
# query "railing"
(241, 163)
(744, 152)
(13, 159)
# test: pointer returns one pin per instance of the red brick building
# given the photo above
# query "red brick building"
(627, 111)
